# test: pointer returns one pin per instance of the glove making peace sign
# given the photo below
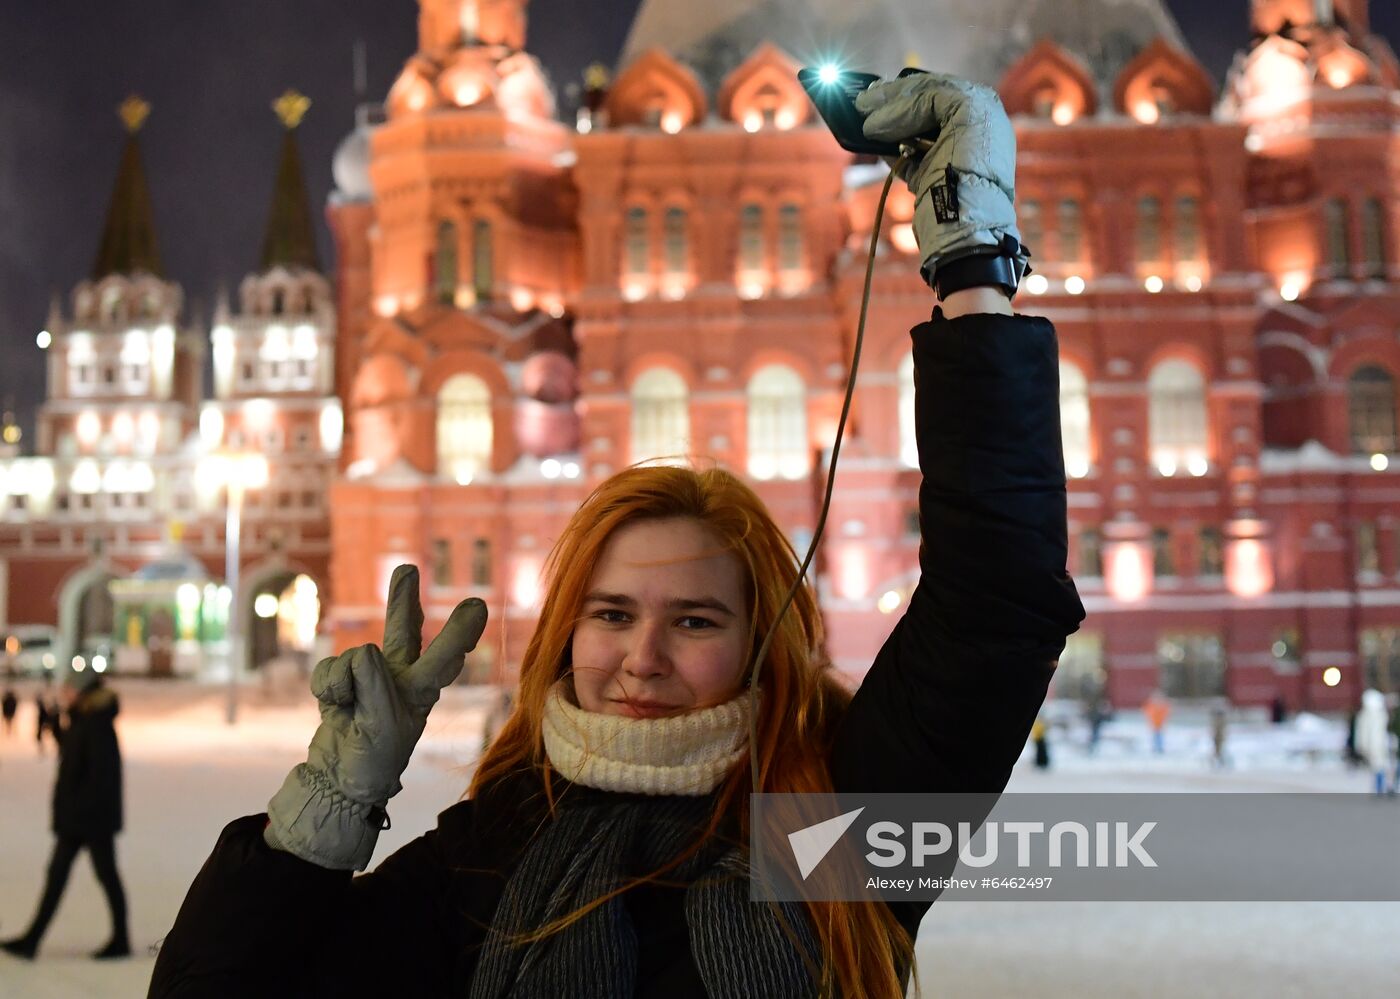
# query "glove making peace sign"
(374, 705)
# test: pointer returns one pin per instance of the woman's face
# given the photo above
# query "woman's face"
(664, 625)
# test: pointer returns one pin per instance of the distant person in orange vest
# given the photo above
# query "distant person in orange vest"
(1156, 709)
(1039, 733)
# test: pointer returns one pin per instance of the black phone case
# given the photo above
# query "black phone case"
(836, 103)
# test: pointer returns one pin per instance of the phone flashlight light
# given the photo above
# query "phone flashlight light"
(829, 73)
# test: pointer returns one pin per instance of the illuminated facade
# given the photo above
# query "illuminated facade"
(114, 529)
(526, 301)
(527, 307)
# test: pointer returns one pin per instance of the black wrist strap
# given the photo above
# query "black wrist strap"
(1002, 266)
(378, 818)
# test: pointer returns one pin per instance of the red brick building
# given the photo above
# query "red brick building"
(527, 300)
(527, 306)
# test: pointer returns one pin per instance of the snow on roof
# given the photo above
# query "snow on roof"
(977, 39)
(1313, 456)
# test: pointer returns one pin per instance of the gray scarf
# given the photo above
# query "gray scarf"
(740, 946)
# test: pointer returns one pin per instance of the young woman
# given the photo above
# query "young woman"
(600, 851)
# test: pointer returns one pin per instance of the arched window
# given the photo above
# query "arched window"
(751, 238)
(1074, 419)
(1032, 231)
(1163, 99)
(1149, 230)
(464, 429)
(1373, 237)
(1071, 232)
(483, 260)
(777, 423)
(908, 443)
(1188, 228)
(445, 264)
(789, 237)
(1371, 409)
(660, 415)
(481, 562)
(637, 259)
(441, 561)
(677, 244)
(1176, 395)
(1338, 237)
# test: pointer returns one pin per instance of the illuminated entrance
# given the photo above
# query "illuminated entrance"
(286, 609)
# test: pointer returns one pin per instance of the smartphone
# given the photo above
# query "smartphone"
(834, 93)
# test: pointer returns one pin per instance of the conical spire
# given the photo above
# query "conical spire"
(290, 240)
(129, 238)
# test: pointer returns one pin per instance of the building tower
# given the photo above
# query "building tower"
(455, 227)
(274, 370)
(1316, 91)
(123, 384)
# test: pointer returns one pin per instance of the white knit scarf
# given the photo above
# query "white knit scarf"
(687, 754)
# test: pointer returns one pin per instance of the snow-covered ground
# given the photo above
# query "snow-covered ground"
(188, 773)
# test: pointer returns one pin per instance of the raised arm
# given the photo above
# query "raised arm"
(952, 694)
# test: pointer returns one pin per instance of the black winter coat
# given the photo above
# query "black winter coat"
(87, 797)
(945, 707)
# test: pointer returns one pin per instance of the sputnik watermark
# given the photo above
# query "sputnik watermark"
(1115, 844)
(1074, 847)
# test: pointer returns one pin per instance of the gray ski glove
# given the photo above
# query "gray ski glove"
(965, 185)
(374, 704)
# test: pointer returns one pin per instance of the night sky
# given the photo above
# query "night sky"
(210, 70)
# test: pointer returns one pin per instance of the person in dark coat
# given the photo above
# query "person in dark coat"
(87, 809)
(570, 869)
(1100, 712)
(9, 704)
(1395, 731)
(42, 714)
(1219, 735)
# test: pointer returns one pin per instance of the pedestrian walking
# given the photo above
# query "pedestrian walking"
(1353, 758)
(1395, 732)
(1100, 712)
(1157, 709)
(1039, 732)
(1373, 737)
(87, 809)
(1219, 726)
(9, 704)
(602, 848)
(1278, 710)
(41, 719)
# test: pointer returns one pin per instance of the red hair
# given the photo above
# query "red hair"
(862, 944)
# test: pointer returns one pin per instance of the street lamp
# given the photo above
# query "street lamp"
(236, 471)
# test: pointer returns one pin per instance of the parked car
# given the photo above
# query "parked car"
(29, 648)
